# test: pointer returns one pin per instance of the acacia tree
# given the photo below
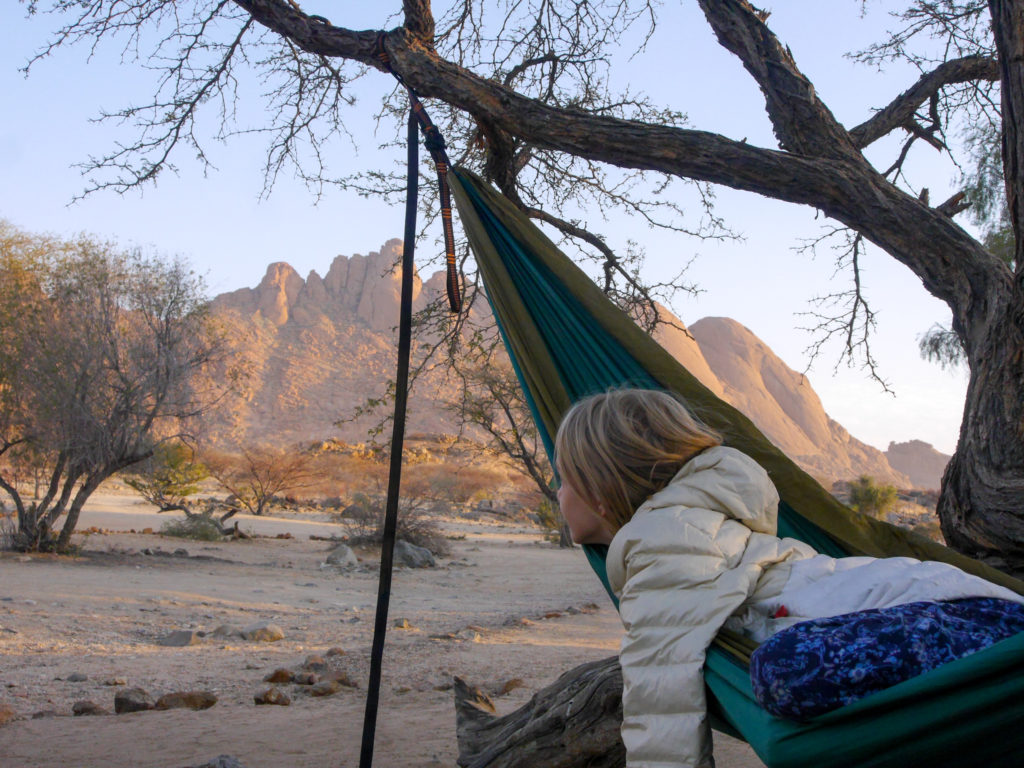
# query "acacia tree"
(99, 362)
(490, 398)
(537, 112)
(257, 476)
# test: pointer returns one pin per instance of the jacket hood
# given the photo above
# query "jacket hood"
(723, 480)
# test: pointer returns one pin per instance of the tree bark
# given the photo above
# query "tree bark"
(572, 723)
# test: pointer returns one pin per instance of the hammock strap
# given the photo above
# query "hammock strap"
(387, 548)
(435, 144)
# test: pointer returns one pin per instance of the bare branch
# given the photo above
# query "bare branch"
(851, 321)
(901, 110)
(955, 204)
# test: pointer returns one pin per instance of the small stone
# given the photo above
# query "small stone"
(341, 678)
(553, 615)
(272, 696)
(44, 713)
(306, 678)
(412, 556)
(147, 530)
(186, 700)
(86, 707)
(403, 624)
(180, 639)
(263, 632)
(6, 714)
(181, 552)
(325, 688)
(132, 700)
(343, 557)
(279, 676)
(77, 677)
(112, 681)
(335, 651)
(314, 663)
(228, 630)
(510, 685)
(222, 761)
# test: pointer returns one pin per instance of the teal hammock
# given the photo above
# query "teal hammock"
(566, 340)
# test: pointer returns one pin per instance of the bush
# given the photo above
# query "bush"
(196, 527)
(364, 520)
(868, 498)
(550, 519)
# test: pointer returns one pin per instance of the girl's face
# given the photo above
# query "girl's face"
(587, 526)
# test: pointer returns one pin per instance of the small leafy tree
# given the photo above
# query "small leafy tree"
(491, 399)
(869, 498)
(101, 352)
(169, 477)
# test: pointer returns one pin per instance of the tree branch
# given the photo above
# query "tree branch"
(801, 122)
(419, 20)
(837, 180)
(901, 110)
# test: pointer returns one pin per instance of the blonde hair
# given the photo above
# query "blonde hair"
(617, 448)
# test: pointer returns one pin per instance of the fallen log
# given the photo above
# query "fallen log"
(572, 723)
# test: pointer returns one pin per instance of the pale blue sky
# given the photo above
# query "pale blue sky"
(219, 223)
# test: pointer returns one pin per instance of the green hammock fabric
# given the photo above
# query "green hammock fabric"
(566, 340)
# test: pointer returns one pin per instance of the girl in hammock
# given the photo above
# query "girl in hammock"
(690, 527)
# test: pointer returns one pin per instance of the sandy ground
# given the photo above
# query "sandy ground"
(505, 606)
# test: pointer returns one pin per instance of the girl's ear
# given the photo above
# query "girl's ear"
(602, 510)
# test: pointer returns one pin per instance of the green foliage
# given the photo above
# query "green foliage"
(941, 345)
(869, 498)
(985, 186)
(196, 527)
(550, 520)
(169, 477)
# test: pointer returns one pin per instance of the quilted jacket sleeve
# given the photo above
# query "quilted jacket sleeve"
(682, 581)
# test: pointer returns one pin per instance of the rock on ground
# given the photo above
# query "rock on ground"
(263, 632)
(132, 700)
(186, 700)
(412, 556)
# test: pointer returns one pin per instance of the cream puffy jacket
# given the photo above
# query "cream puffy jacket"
(702, 552)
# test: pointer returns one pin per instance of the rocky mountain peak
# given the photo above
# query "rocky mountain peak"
(919, 461)
(321, 346)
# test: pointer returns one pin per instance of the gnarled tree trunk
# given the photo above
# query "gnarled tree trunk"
(980, 507)
(572, 723)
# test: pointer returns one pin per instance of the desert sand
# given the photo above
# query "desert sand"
(505, 611)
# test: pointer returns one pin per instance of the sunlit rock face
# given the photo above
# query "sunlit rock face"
(319, 347)
(919, 461)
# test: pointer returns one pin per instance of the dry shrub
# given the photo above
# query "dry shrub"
(417, 524)
(195, 527)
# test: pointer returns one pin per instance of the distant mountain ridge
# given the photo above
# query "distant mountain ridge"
(320, 346)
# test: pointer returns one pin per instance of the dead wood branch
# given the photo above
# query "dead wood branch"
(572, 723)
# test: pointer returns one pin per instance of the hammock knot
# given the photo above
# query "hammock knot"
(433, 140)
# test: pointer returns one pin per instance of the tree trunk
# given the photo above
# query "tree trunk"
(572, 723)
(90, 485)
(980, 508)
